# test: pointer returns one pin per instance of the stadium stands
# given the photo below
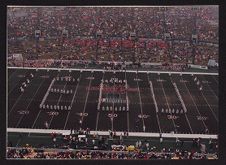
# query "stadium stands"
(104, 34)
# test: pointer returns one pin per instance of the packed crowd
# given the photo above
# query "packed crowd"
(30, 153)
(80, 144)
(115, 33)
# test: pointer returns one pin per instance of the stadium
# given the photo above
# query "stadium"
(112, 82)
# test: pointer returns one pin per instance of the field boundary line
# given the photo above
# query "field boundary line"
(101, 70)
(106, 133)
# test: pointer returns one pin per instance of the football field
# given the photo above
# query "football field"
(152, 102)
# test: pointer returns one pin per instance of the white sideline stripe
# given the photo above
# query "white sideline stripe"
(136, 134)
(101, 70)
(78, 6)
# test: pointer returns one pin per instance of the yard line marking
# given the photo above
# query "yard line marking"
(58, 102)
(167, 103)
(15, 103)
(13, 88)
(213, 113)
(19, 121)
(153, 96)
(210, 89)
(51, 120)
(36, 119)
(158, 123)
(9, 77)
(127, 100)
(22, 116)
(87, 94)
(140, 104)
(156, 106)
(194, 103)
(72, 103)
(98, 113)
(97, 120)
(16, 84)
(47, 92)
(215, 79)
(112, 124)
(184, 107)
